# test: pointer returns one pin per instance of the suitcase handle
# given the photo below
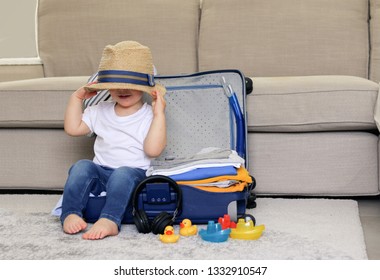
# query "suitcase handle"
(239, 118)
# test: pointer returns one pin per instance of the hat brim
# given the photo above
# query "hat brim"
(108, 86)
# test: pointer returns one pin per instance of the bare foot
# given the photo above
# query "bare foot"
(102, 228)
(73, 224)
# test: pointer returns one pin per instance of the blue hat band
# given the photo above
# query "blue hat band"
(127, 77)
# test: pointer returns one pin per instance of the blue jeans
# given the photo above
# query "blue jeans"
(87, 177)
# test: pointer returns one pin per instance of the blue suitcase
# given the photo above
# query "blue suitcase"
(205, 109)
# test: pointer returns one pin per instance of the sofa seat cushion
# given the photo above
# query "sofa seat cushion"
(35, 158)
(37, 102)
(312, 103)
(316, 163)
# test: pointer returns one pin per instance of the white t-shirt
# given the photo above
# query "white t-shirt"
(120, 140)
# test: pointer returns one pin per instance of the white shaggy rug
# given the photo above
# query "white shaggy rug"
(301, 229)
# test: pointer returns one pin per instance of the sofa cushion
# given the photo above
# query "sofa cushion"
(36, 102)
(39, 158)
(285, 38)
(72, 34)
(325, 163)
(13, 69)
(375, 40)
(312, 103)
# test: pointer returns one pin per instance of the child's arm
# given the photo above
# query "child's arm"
(155, 141)
(73, 124)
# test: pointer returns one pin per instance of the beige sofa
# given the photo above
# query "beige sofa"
(315, 67)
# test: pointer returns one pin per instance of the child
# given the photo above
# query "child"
(129, 133)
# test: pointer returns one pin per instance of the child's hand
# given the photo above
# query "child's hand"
(158, 103)
(83, 93)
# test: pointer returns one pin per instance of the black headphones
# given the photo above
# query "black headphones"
(140, 218)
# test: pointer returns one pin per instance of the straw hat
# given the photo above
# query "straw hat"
(126, 65)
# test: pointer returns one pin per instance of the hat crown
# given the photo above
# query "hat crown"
(128, 56)
(126, 65)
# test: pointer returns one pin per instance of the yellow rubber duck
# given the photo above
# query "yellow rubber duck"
(187, 229)
(169, 236)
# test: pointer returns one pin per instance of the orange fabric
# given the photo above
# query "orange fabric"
(242, 176)
(238, 187)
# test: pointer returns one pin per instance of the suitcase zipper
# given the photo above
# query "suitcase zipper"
(172, 88)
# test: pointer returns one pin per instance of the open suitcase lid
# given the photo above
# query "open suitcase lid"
(202, 111)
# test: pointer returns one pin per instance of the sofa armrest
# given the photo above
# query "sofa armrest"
(12, 69)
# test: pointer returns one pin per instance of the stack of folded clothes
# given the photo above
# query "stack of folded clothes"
(211, 169)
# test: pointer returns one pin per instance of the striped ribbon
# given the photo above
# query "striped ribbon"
(121, 76)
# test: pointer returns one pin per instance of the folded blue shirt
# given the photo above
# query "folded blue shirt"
(204, 173)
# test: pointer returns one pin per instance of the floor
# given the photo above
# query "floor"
(369, 210)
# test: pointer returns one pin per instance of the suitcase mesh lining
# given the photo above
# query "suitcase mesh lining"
(198, 117)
